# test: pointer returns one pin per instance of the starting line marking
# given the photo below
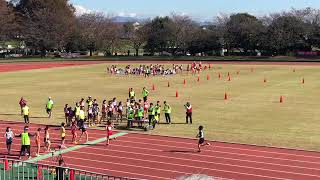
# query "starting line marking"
(73, 148)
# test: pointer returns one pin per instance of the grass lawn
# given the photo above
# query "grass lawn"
(252, 115)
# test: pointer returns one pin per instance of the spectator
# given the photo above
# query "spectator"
(188, 112)
(167, 112)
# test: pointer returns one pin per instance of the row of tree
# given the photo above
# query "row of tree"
(45, 25)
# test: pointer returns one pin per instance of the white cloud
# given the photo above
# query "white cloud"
(81, 10)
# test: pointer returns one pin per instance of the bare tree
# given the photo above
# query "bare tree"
(183, 30)
(90, 30)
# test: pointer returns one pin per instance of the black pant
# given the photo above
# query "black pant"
(130, 123)
(145, 98)
(60, 173)
(25, 149)
(168, 118)
(26, 119)
(189, 116)
(151, 117)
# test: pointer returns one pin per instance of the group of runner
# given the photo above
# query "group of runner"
(146, 70)
(87, 113)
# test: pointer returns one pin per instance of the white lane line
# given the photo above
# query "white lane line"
(200, 161)
(261, 156)
(143, 167)
(109, 170)
(194, 167)
(34, 127)
(177, 142)
(235, 148)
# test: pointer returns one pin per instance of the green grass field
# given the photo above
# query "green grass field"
(252, 115)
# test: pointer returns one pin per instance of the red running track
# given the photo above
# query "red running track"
(10, 67)
(160, 157)
(20, 66)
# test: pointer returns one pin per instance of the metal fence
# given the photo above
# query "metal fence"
(19, 170)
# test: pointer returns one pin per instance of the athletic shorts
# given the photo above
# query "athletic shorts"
(83, 129)
(201, 140)
(49, 110)
(62, 138)
(9, 141)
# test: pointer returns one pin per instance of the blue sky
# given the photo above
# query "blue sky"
(202, 9)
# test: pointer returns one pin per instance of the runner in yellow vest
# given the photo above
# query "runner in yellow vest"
(26, 112)
(130, 117)
(145, 94)
(25, 142)
(158, 111)
(167, 112)
(132, 94)
(49, 106)
(77, 111)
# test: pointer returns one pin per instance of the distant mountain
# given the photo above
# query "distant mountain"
(123, 19)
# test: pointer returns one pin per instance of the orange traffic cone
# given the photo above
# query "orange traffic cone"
(281, 99)
(6, 164)
(208, 77)
(264, 80)
(219, 75)
(153, 87)
(184, 82)
(225, 96)
(198, 79)
(229, 78)
(168, 84)
(302, 80)
(177, 94)
(228, 73)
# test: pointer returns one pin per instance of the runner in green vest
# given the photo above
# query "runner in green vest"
(130, 117)
(49, 106)
(25, 142)
(26, 112)
(167, 112)
(145, 94)
(140, 115)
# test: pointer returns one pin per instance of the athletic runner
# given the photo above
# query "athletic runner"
(145, 94)
(25, 142)
(201, 141)
(26, 112)
(9, 138)
(167, 112)
(49, 106)
(38, 141)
